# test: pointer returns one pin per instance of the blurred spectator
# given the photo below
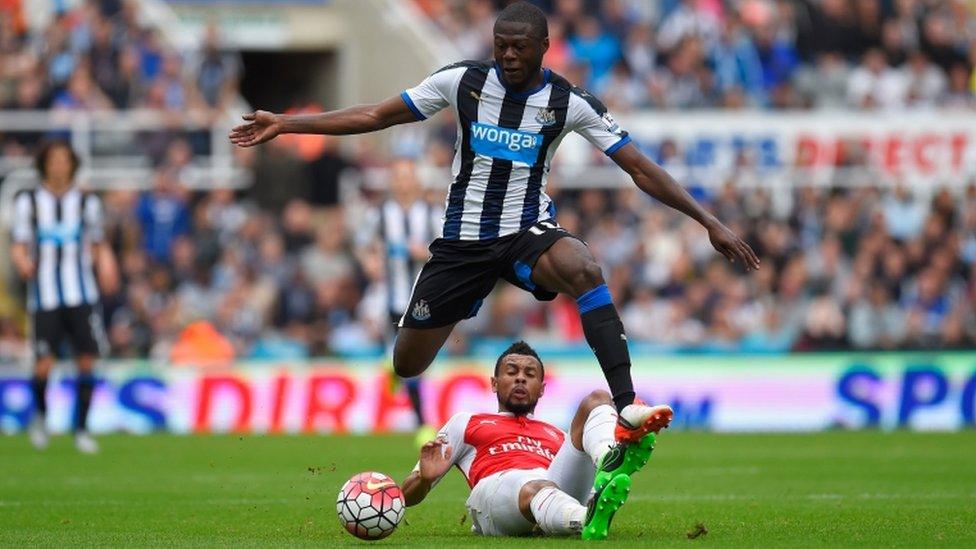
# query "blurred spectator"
(756, 53)
(163, 216)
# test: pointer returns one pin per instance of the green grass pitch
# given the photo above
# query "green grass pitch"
(831, 489)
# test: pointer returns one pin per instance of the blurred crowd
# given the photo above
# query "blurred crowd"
(841, 269)
(777, 54)
(102, 55)
(286, 270)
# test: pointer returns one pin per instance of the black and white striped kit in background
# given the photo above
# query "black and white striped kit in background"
(400, 229)
(60, 231)
(506, 140)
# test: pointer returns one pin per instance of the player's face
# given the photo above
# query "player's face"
(517, 53)
(518, 384)
(58, 166)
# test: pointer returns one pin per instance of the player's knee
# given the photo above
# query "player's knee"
(596, 398)
(587, 278)
(528, 491)
(405, 363)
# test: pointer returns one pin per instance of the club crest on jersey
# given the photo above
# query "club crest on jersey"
(505, 143)
(546, 117)
(421, 311)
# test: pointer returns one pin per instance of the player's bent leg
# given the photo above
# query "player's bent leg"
(568, 267)
(416, 348)
(586, 406)
(554, 511)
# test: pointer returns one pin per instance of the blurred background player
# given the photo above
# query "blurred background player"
(402, 226)
(57, 240)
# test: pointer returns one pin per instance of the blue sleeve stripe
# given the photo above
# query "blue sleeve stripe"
(413, 108)
(594, 299)
(616, 146)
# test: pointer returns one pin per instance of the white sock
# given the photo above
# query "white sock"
(598, 432)
(556, 512)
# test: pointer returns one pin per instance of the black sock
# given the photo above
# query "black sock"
(413, 390)
(605, 335)
(84, 387)
(39, 390)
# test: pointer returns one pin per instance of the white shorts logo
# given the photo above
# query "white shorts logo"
(421, 311)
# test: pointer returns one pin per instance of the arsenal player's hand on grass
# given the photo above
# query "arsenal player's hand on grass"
(435, 461)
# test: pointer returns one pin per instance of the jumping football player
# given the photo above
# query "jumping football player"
(57, 241)
(525, 473)
(512, 113)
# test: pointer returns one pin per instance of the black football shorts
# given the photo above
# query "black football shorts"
(81, 328)
(461, 273)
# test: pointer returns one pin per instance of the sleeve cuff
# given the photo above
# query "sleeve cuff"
(413, 108)
(616, 146)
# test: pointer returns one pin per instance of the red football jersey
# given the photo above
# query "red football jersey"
(484, 444)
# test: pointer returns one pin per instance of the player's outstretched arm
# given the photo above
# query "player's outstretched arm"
(435, 462)
(653, 180)
(261, 126)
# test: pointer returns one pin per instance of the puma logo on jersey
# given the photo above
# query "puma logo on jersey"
(475, 95)
(487, 422)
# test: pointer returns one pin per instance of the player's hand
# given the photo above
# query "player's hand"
(261, 126)
(435, 460)
(26, 268)
(731, 246)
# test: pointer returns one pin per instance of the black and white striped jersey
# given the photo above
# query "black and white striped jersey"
(505, 143)
(60, 231)
(399, 229)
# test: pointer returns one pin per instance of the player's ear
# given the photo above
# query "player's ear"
(494, 384)
(545, 45)
(542, 390)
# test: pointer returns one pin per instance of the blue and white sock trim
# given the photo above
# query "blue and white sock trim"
(594, 299)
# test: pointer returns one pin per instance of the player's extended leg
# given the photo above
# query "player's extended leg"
(84, 388)
(415, 348)
(568, 267)
(37, 430)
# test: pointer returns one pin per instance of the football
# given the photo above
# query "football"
(370, 505)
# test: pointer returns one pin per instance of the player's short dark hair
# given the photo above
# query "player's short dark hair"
(524, 12)
(520, 348)
(44, 151)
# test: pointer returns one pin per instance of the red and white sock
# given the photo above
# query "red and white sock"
(556, 512)
(598, 432)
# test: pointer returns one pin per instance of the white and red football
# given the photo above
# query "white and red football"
(370, 505)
